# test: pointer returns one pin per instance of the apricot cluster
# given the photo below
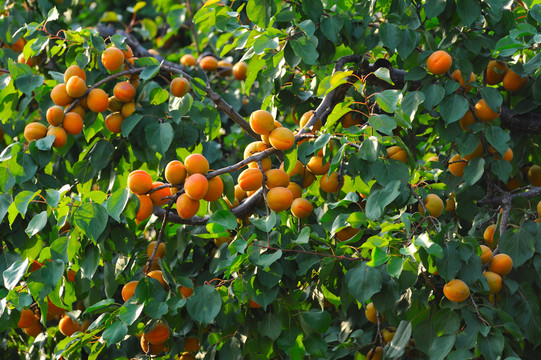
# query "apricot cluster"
(221, 67)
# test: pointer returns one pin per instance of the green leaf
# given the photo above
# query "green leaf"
(313, 8)
(204, 304)
(306, 49)
(434, 94)
(91, 218)
(441, 346)
(369, 149)
(474, 171)
(498, 138)
(100, 154)
(390, 35)
(388, 100)
(129, 123)
(267, 260)
(493, 98)
(318, 320)
(224, 218)
(363, 281)
(433, 8)
(270, 326)
(115, 332)
(453, 108)
(308, 28)
(492, 345)
(468, 11)
(130, 312)
(260, 11)
(400, 340)
(383, 123)
(149, 72)
(28, 83)
(519, 243)
(380, 198)
(117, 202)
(5, 202)
(159, 136)
(430, 246)
(14, 273)
(384, 74)
(23, 199)
(37, 223)
(90, 262)
(331, 27)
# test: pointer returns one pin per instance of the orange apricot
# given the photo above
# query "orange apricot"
(501, 264)
(295, 189)
(534, 175)
(191, 344)
(60, 136)
(315, 165)
(196, 164)
(159, 197)
(488, 235)
(301, 208)
(439, 62)
(196, 186)
(112, 58)
(128, 53)
(346, 233)
(180, 87)
(483, 112)
(276, 177)
(113, 122)
(67, 326)
(216, 189)
(74, 70)
(434, 205)
(495, 72)
(75, 87)
(466, 120)
(254, 305)
(478, 152)
(282, 138)
(298, 169)
(513, 82)
(350, 119)
(225, 68)
(240, 70)
(188, 60)
(160, 253)
(397, 153)
(208, 63)
(186, 356)
(26, 319)
(329, 183)
(114, 104)
(53, 311)
(79, 109)
(254, 148)
(157, 274)
(262, 122)
(306, 117)
(494, 281)
(250, 179)
(158, 335)
(456, 290)
(60, 96)
(175, 172)
(486, 254)
(266, 138)
(124, 91)
(73, 123)
(139, 182)
(371, 313)
(145, 208)
(55, 115)
(97, 100)
(457, 165)
(279, 199)
(240, 194)
(34, 329)
(457, 75)
(128, 109)
(186, 206)
(375, 353)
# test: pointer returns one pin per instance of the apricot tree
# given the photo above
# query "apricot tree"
(270, 179)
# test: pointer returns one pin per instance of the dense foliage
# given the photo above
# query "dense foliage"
(423, 239)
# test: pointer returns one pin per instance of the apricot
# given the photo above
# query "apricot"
(439, 62)
(315, 165)
(388, 335)
(298, 169)
(254, 305)
(457, 75)
(139, 182)
(145, 208)
(478, 152)
(113, 122)
(371, 313)
(306, 117)
(186, 356)
(262, 122)
(488, 235)
(434, 205)
(55, 115)
(483, 112)
(73, 123)
(295, 189)
(188, 60)
(266, 138)
(18, 45)
(534, 175)
(75, 87)
(159, 197)
(350, 119)
(240, 70)
(239, 193)
(486, 254)
(250, 179)
(397, 153)
(127, 109)
(375, 353)
(276, 177)
(216, 189)
(501, 264)
(124, 91)
(494, 281)
(26, 319)
(79, 109)
(279, 199)
(456, 290)
(307, 178)
(301, 208)
(185, 291)
(346, 233)
(457, 165)
(196, 186)
(282, 138)
(254, 148)
(495, 72)
(60, 136)
(158, 335)
(71, 275)
(466, 120)
(160, 253)
(225, 68)
(128, 53)
(53, 311)
(60, 96)
(191, 344)
(208, 63)
(513, 82)
(186, 206)
(175, 172)
(196, 164)
(329, 183)
(97, 100)
(67, 326)
(180, 87)
(74, 70)
(34, 329)
(114, 104)
(538, 208)
(157, 274)
(112, 58)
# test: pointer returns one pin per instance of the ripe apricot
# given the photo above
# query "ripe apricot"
(160, 253)
(488, 235)
(397, 153)
(145, 208)
(186, 356)
(55, 115)
(186, 206)
(486, 254)
(262, 122)
(388, 335)
(240, 194)
(97, 100)
(457, 165)
(295, 189)
(139, 182)
(216, 189)
(539, 209)
(128, 53)
(494, 281)
(74, 70)
(298, 169)
(306, 117)
(457, 75)
(439, 62)
(282, 138)
(185, 291)
(225, 68)
(127, 109)
(329, 183)
(466, 120)
(175, 172)
(73, 123)
(534, 175)
(315, 165)
(250, 179)
(276, 177)
(75, 87)
(34, 329)
(371, 313)
(196, 164)
(483, 112)
(240, 70)
(18, 45)
(513, 82)
(188, 60)
(501, 264)
(350, 119)
(191, 344)
(79, 109)
(113, 122)
(114, 104)
(53, 311)
(157, 274)
(159, 197)
(266, 138)
(180, 87)
(301, 208)
(307, 178)
(67, 326)
(346, 233)
(26, 319)
(450, 203)
(495, 72)
(478, 152)
(208, 63)
(112, 58)
(375, 353)
(60, 136)
(254, 148)
(158, 335)
(254, 305)
(456, 290)
(60, 96)
(124, 91)
(434, 205)
(279, 199)
(196, 186)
